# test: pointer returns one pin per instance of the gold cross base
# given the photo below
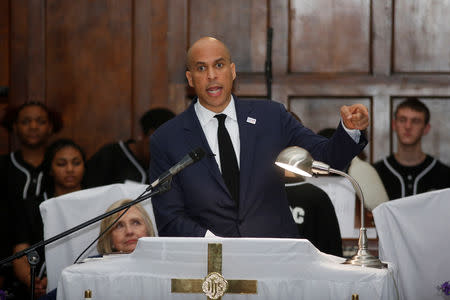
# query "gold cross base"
(214, 286)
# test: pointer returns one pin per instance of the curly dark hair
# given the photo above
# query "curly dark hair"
(154, 118)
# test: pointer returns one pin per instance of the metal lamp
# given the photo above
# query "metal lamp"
(299, 161)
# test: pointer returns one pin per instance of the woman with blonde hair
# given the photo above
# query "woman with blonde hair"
(123, 235)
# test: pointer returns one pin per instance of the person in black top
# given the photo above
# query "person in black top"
(64, 166)
(313, 211)
(410, 171)
(126, 161)
(21, 171)
(314, 215)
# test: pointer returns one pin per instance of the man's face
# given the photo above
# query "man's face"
(211, 74)
(410, 126)
(33, 126)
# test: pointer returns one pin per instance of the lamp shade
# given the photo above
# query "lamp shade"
(296, 160)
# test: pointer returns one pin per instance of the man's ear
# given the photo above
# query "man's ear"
(427, 129)
(189, 78)
(233, 70)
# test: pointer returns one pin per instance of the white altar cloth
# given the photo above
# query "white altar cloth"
(414, 235)
(283, 268)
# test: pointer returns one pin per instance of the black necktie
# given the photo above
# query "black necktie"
(228, 162)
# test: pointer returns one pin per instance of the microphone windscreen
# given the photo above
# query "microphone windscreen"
(197, 154)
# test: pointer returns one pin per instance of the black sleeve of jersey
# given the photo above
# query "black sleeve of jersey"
(28, 227)
(98, 168)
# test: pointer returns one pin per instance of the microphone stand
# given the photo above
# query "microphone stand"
(33, 256)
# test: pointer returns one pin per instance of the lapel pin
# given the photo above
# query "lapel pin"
(251, 120)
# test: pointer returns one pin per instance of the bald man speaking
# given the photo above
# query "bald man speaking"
(236, 190)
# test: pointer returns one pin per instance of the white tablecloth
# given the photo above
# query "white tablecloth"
(414, 234)
(284, 269)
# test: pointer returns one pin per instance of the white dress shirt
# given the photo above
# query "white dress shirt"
(210, 125)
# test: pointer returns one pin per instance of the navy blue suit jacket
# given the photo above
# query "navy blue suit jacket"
(199, 199)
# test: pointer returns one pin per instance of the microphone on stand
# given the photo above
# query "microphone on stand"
(186, 161)
(163, 183)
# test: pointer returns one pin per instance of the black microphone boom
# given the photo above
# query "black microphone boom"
(268, 64)
(187, 160)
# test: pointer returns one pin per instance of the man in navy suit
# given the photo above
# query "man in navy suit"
(199, 202)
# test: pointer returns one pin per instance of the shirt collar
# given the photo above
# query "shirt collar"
(205, 115)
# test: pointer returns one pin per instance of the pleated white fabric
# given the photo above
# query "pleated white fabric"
(414, 234)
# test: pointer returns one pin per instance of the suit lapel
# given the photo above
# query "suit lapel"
(195, 137)
(247, 136)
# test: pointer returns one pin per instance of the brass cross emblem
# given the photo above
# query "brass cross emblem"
(214, 286)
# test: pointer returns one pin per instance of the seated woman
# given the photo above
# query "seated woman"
(64, 169)
(123, 235)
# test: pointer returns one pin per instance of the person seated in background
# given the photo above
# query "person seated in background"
(64, 166)
(313, 212)
(122, 237)
(236, 190)
(33, 124)
(21, 171)
(410, 171)
(366, 176)
(126, 161)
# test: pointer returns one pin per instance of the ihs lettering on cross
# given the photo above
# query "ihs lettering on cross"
(214, 285)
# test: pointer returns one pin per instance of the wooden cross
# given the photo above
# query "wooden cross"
(214, 286)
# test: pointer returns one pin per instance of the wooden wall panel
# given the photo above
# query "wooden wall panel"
(19, 52)
(36, 50)
(89, 68)
(279, 21)
(150, 70)
(103, 63)
(421, 36)
(329, 36)
(240, 24)
(177, 40)
(4, 69)
(4, 43)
